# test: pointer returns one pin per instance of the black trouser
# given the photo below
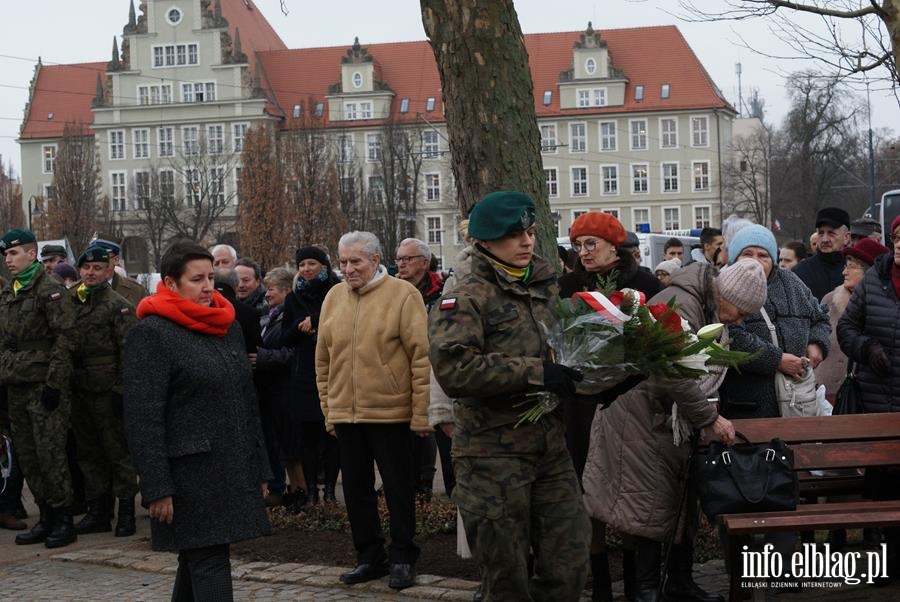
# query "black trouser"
(203, 574)
(11, 487)
(424, 455)
(267, 418)
(389, 446)
(444, 445)
(317, 443)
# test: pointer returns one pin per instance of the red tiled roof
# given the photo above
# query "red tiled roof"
(257, 34)
(65, 92)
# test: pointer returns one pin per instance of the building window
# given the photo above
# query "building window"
(116, 144)
(166, 142)
(215, 139)
(430, 144)
(167, 186)
(404, 105)
(668, 131)
(174, 16)
(365, 110)
(577, 137)
(217, 186)
(579, 181)
(699, 131)
(551, 175)
(640, 179)
(239, 133)
(548, 138)
(640, 216)
(664, 91)
(593, 97)
(607, 135)
(190, 137)
(48, 155)
(671, 218)
(373, 147)
(158, 56)
(141, 141)
(429, 104)
(639, 93)
(141, 189)
(155, 95)
(238, 170)
(548, 97)
(701, 175)
(119, 190)
(610, 176)
(638, 134)
(432, 187)
(376, 189)
(319, 110)
(576, 213)
(670, 177)
(702, 217)
(350, 110)
(590, 66)
(435, 230)
(357, 80)
(345, 149)
(192, 187)
(198, 92)
(176, 54)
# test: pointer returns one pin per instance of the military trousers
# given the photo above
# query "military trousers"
(519, 495)
(39, 437)
(102, 449)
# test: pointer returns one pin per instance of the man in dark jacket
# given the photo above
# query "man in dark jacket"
(824, 271)
(226, 281)
(250, 290)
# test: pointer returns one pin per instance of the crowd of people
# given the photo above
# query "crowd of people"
(232, 388)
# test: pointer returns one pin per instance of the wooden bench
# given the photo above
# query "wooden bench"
(820, 443)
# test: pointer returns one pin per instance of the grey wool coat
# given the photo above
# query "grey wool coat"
(193, 428)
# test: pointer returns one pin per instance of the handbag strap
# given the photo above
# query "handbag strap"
(769, 325)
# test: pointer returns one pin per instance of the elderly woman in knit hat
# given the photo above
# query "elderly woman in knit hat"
(665, 269)
(640, 444)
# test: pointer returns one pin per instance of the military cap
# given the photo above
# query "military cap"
(16, 237)
(111, 247)
(53, 251)
(865, 227)
(94, 253)
(501, 213)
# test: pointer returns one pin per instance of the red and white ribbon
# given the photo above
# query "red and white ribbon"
(600, 303)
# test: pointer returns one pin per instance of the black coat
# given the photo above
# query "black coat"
(274, 361)
(245, 316)
(822, 272)
(297, 307)
(193, 430)
(630, 276)
(874, 314)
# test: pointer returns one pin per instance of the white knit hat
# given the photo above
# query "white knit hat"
(668, 266)
(743, 284)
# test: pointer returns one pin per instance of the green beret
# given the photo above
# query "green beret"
(94, 254)
(53, 251)
(16, 237)
(501, 213)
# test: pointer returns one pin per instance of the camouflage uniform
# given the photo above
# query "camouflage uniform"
(515, 487)
(36, 342)
(101, 323)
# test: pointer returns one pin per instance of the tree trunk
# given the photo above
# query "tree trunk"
(488, 98)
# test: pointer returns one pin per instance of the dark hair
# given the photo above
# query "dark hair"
(798, 248)
(708, 235)
(249, 263)
(175, 258)
(673, 242)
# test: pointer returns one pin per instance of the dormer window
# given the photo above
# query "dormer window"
(664, 91)
(429, 104)
(639, 93)
(548, 97)
(590, 66)
(320, 107)
(357, 80)
(297, 110)
(404, 105)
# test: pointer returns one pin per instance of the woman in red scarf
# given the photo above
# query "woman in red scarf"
(193, 426)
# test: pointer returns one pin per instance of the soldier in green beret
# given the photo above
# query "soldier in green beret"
(515, 486)
(102, 319)
(36, 344)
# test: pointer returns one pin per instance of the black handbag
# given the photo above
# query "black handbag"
(745, 477)
(849, 395)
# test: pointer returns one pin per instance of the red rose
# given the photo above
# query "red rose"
(670, 319)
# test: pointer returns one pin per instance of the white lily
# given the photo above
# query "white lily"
(694, 362)
(710, 332)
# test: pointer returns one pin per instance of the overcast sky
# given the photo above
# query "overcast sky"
(72, 31)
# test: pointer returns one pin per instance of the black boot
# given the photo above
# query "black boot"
(40, 530)
(63, 531)
(97, 518)
(647, 555)
(628, 574)
(680, 585)
(312, 492)
(125, 525)
(329, 496)
(601, 584)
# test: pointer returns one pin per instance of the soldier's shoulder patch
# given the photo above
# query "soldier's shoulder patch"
(125, 311)
(448, 303)
(55, 296)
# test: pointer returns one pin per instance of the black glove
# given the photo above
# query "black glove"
(611, 394)
(877, 358)
(561, 379)
(117, 404)
(50, 398)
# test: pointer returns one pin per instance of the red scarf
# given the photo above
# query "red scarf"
(215, 319)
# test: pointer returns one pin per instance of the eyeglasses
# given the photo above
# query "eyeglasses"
(588, 245)
(408, 258)
(895, 238)
(855, 266)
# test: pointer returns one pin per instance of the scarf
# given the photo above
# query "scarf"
(84, 291)
(25, 277)
(214, 320)
(302, 284)
(523, 274)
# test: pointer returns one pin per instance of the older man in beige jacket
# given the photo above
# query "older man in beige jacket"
(372, 372)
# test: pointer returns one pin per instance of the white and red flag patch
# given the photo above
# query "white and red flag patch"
(448, 303)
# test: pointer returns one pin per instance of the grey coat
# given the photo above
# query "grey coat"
(799, 320)
(193, 429)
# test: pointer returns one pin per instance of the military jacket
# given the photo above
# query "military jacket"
(36, 334)
(101, 324)
(131, 289)
(488, 346)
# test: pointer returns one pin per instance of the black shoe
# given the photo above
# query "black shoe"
(63, 532)
(295, 501)
(365, 572)
(479, 595)
(329, 495)
(125, 526)
(97, 518)
(601, 583)
(40, 530)
(402, 576)
(312, 493)
(424, 495)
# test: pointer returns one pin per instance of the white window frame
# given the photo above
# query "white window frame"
(196, 147)
(590, 66)
(583, 137)
(432, 192)
(663, 134)
(374, 147)
(631, 135)
(191, 90)
(603, 179)
(365, 109)
(137, 189)
(431, 231)
(704, 131)
(48, 195)
(634, 218)
(633, 178)
(48, 164)
(666, 224)
(215, 145)
(614, 137)
(587, 181)
(218, 185)
(613, 211)
(346, 148)
(191, 55)
(236, 179)
(663, 177)
(586, 98)
(117, 155)
(431, 149)
(239, 135)
(708, 176)
(707, 208)
(555, 182)
(118, 203)
(154, 94)
(350, 113)
(161, 184)
(374, 183)
(140, 150)
(576, 213)
(165, 144)
(192, 196)
(549, 143)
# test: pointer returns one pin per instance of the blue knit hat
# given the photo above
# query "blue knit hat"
(753, 236)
